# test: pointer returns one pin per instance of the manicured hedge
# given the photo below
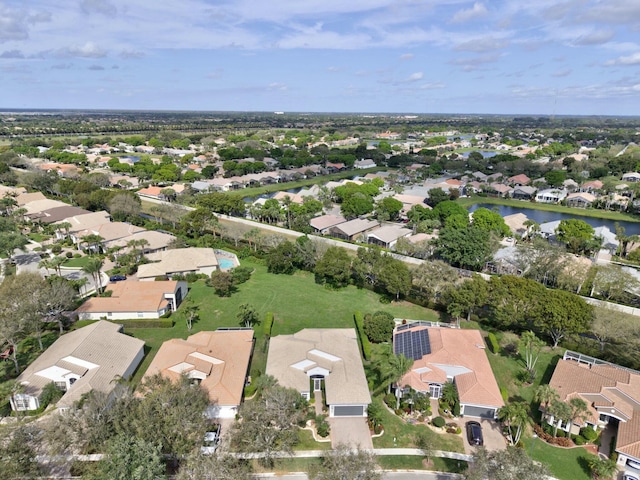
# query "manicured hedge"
(364, 341)
(438, 422)
(492, 341)
(268, 324)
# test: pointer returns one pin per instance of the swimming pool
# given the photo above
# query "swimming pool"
(226, 263)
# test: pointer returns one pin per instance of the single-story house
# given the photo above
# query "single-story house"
(323, 223)
(78, 223)
(152, 191)
(612, 395)
(516, 223)
(134, 300)
(25, 198)
(57, 214)
(365, 163)
(218, 361)
(591, 186)
(317, 357)
(551, 195)
(179, 261)
(155, 241)
(109, 232)
(90, 358)
(497, 189)
(388, 235)
(631, 177)
(353, 228)
(580, 199)
(521, 179)
(548, 229)
(523, 192)
(441, 355)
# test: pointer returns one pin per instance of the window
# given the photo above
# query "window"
(62, 386)
(109, 314)
(140, 314)
(21, 402)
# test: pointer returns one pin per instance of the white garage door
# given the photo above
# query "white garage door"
(482, 412)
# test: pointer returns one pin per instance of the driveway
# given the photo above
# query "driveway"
(352, 431)
(491, 432)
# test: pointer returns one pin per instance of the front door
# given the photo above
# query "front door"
(435, 390)
(317, 384)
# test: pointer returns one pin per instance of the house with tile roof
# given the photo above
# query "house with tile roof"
(323, 223)
(441, 355)
(580, 199)
(612, 395)
(315, 358)
(353, 229)
(388, 235)
(179, 261)
(217, 360)
(132, 300)
(89, 358)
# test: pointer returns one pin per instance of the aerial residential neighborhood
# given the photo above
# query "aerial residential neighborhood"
(417, 295)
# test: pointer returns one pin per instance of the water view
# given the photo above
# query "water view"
(543, 216)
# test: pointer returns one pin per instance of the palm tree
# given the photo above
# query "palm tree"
(602, 469)
(93, 267)
(545, 395)
(515, 416)
(560, 411)
(398, 365)
(579, 410)
(93, 242)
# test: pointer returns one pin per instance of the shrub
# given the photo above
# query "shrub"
(578, 439)
(77, 255)
(50, 394)
(504, 393)
(56, 249)
(193, 277)
(509, 343)
(379, 327)
(68, 254)
(364, 341)
(492, 341)
(456, 409)
(322, 426)
(249, 390)
(390, 400)
(589, 434)
(268, 324)
(147, 323)
(438, 422)
(241, 274)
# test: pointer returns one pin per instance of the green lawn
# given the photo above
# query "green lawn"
(406, 462)
(564, 463)
(585, 212)
(77, 262)
(296, 301)
(404, 434)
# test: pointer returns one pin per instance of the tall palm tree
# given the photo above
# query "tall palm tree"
(579, 410)
(545, 395)
(93, 267)
(560, 411)
(515, 416)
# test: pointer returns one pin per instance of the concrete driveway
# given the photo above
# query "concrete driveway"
(352, 431)
(491, 432)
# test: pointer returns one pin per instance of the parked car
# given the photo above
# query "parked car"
(629, 476)
(211, 441)
(117, 278)
(474, 434)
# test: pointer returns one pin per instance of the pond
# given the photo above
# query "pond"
(543, 216)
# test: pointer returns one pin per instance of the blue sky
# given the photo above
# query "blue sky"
(545, 57)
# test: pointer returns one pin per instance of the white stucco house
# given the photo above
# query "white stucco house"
(317, 357)
(131, 300)
(89, 358)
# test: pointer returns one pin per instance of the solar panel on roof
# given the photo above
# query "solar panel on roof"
(412, 344)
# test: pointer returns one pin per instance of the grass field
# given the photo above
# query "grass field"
(296, 301)
(77, 262)
(584, 212)
(563, 463)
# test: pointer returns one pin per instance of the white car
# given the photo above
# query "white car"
(211, 441)
(629, 476)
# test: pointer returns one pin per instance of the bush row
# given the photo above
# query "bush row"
(492, 341)
(268, 324)
(146, 323)
(364, 341)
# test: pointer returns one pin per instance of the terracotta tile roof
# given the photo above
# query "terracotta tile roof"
(607, 389)
(457, 353)
(131, 296)
(222, 356)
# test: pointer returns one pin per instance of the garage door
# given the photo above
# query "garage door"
(348, 411)
(482, 412)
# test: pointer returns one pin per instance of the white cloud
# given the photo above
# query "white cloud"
(565, 72)
(88, 50)
(277, 86)
(483, 44)
(333, 69)
(597, 37)
(414, 77)
(478, 10)
(12, 54)
(633, 59)
(96, 67)
(406, 56)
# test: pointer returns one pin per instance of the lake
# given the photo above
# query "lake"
(543, 216)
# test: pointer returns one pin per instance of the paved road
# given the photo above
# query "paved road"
(405, 475)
